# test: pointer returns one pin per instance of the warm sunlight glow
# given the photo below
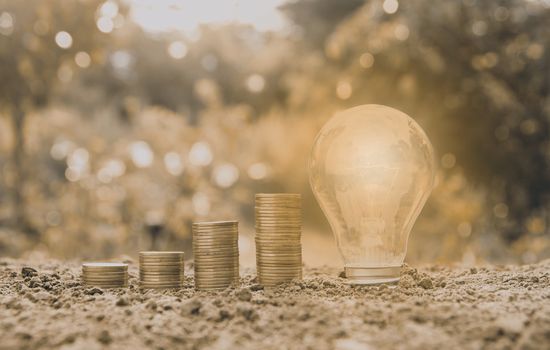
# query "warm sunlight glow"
(187, 15)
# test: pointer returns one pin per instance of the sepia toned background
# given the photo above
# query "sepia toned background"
(122, 122)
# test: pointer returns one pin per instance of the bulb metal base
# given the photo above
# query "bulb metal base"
(372, 275)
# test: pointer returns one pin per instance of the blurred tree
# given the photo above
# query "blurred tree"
(318, 18)
(475, 75)
(41, 43)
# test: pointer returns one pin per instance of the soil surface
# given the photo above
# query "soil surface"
(43, 305)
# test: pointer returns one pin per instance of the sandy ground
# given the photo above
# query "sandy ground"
(494, 307)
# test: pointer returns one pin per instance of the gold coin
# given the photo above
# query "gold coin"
(105, 274)
(161, 273)
(233, 259)
(161, 253)
(215, 233)
(275, 236)
(289, 260)
(160, 281)
(215, 252)
(267, 280)
(229, 258)
(219, 270)
(263, 212)
(162, 263)
(225, 261)
(280, 245)
(106, 285)
(161, 258)
(293, 261)
(103, 281)
(228, 263)
(233, 245)
(277, 240)
(104, 265)
(276, 281)
(278, 251)
(215, 284)
(221, 222)
(160, 286)
(278, 271)
(220, 237)
(173, 262)
(213, 287)
(217, 280)
(213, 268)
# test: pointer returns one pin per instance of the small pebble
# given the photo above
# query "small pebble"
(122, 301)
(191, 307)
(28, 272)
(244, 295)
(256, 287)
(104, 337)
(426, 283)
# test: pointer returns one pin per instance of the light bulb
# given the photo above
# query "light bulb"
(372, 169)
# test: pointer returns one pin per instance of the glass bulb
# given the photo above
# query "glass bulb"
(372, 169)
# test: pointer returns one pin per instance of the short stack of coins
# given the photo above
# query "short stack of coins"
(216, 254)
(161, 270)
(105, 274)
(278, 238)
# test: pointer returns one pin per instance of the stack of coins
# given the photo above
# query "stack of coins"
(161, 270)
(105, 274)
(216, 252)
(278, 238)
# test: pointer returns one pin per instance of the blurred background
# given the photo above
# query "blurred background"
(122, 122)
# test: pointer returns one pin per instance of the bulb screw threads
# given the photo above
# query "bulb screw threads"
(372, 275)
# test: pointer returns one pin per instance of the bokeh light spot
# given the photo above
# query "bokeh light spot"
(529, 126)
(344, 90)
(255, 83)
(6, 23)
(112, 169)
(177, 50)
(109, 9)
(479, 28)
(82, 59)
(390, 6)
(464, 229)
(173, 163)
(448, 160)
(500, 210)
(142, 154)
(64, 40)
(201, 204)
(77, 164)
(401, 32)
(61, 149)
(258, 171)
(105, 24)
(209, 62)
(366, 60)
(200, 154)
(226, 175)
(65, 73)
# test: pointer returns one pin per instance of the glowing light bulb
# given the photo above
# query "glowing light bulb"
(372, 169)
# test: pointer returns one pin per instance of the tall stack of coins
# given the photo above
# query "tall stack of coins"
(105, 274)
(216, 252)
(161, 270)
(278, 237)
